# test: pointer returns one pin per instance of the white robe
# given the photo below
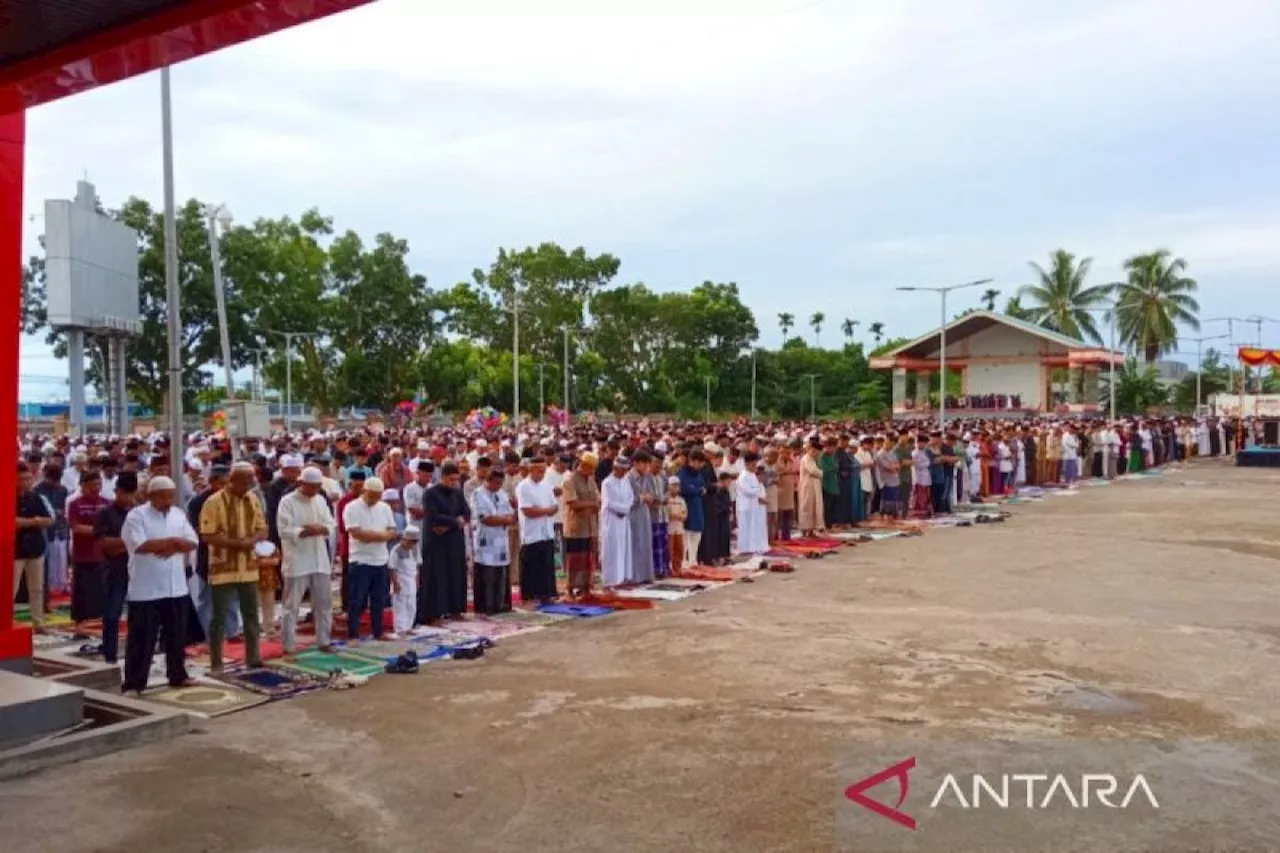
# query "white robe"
(616, 498)
(975, 469)
(753, 531)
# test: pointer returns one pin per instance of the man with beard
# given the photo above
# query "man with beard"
(443, 578)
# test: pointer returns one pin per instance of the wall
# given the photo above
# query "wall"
(1021, 379)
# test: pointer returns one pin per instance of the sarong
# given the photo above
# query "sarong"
(538, 571)
(490, 589)
(661, 550)
(580, 557)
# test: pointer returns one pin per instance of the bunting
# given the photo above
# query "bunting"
(1255, 357)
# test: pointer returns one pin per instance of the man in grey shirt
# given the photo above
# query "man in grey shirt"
(887, 472)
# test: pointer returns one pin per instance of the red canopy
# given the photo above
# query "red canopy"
(1255, 357)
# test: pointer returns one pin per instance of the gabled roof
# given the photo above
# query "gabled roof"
(976, 321)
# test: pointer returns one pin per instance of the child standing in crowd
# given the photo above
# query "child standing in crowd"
(677, 512)
(404, 565)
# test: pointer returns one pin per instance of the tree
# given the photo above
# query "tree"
(877, 331)
(1214, 378)
(1154, 299)
(816, 320)
(1013, 307)
(1138, 388)
(989, 297)
(848, 327)
(1059, 299)
(786, 322)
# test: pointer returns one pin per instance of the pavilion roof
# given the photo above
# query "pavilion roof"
(29, 28)
(977, 321)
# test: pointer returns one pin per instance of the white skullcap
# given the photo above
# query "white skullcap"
(373, 484)
(389, 494)
(424, 444)
(160, 484)
(480, 442)
(312, 476)
(195, 465)
(291, 460)
(411, 532)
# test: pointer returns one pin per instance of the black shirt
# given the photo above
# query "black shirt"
(109, 524)
(275, 492)
(202, 550)
(29, 541)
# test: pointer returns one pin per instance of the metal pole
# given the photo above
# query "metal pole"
(1199, 363)
(942, 366)
(1112, 359)
(813, 398)
(173, 304)
(288, 382)
(567, 408)
(753, 384)
(542, 402)
(708, 399)
(515, 354)
(220, 300)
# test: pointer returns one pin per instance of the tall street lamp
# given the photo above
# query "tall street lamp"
(942, 341)
(217, 217)
(288, 372)
(813, 395)
(1199, 342)
(172, 289)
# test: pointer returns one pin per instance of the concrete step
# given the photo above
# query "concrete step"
(33, 707)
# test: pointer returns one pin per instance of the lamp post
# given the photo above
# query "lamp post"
(288, 372)
(218, 216)
(753, 384)
(708, 399)
(813, 396)
(172, 290)
(1199, 342)
(942, 341)
(567, 408)
(542, 403)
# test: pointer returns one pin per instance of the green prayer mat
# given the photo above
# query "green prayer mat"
(316, 662)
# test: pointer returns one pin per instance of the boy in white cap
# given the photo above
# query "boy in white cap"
(403, 568)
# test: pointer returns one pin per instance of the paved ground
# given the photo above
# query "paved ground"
(714, 723)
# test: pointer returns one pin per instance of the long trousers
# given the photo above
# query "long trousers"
(223, 594)
(369, 585)
(162, 618)
(316, 583)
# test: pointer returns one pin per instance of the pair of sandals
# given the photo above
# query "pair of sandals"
(406, 664)
(472, 651)
(340, 679)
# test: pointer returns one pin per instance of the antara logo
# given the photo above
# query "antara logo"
(1008, 790)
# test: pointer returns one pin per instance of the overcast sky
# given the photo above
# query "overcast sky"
(818, 153)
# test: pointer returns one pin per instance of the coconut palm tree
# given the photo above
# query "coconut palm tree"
(786, 322)
(848, 327)
(877, 331)
(1152, 301)
(816, 320)
(989, 297)
(1059, 299)
(1138, 388)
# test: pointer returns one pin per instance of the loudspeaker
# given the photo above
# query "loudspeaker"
(1271, 432)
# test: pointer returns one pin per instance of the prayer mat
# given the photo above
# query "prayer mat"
(694, 584)
(207, 700)
(383, 650)
(611, 600)
(490, 629)
(877, 535)
(580, 611)
(57, 639)
(815, 542)
(158, 676)
(58, 617)
(648, 592)
(275, 682)
(532, 617)
(441, 637)
(316, 662)
(708, 573)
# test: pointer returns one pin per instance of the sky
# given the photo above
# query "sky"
(818, 153)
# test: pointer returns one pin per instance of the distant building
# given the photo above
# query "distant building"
(1171, 372)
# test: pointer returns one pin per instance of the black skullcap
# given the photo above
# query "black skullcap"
(127, 481)
(358, 475)
(90, 477)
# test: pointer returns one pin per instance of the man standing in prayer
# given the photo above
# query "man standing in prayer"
(863, 480)
(581, 525)
(403, 565)
(788, 478)
(677, 513)
(492, 517)
(769, 477)
(846, 511)
(231, 524)
(443, 578)
(87, 584)
(752, 503)
(706, 553)
(616, 501)
(646, 494)
(158, 537)
(693, 486)
(887, 468)
(108, 528)
(830, 483)
(538, 507)
(304, 524)
(371, 528)
(1070, 456)
(810, 496)
(921, 480)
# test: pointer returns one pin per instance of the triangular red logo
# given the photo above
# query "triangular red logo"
(857, 792)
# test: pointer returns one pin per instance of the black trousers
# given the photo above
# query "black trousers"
(162, 618)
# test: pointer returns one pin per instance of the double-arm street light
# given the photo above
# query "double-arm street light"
(942, 341)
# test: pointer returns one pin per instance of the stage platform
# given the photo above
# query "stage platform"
(1259, 457)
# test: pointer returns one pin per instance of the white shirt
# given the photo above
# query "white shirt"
(303, 555)
(405, 561)
(152, 577)
(414, 496)
(540, 496)
(492, 544)
(1070, 447)
(359, 515)
(556, 480)
(1005, 457)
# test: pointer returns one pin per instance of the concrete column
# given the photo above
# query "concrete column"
(1091, 386)
(75, 365)
(899, 388)
(121, 380)
(922, 388)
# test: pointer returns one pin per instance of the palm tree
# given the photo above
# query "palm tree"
(786, 322)
(989, 297)
(1138, 388)
(877, 331)
(848, 327)
(816, 320)
(1151, 303)
(1013, 308)
(1060, 301)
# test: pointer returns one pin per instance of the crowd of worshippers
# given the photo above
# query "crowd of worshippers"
(431, 524)
(988, 402)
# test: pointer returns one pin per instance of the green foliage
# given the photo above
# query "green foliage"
(1151, 303)
(1138, 388)
(1059, 299)
(1215, 378)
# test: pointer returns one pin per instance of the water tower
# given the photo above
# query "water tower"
(91, 275)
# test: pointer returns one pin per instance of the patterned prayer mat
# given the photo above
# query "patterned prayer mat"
(275, 682)
(580, 611)
(491, 629)
(533, 617)
(649, 592)
(694, 584)
(208, 700)
(158, 676)
(383, 650)
(57, 639)
(316, 662)
(428, 637)
(58, 617)
(610, 599)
